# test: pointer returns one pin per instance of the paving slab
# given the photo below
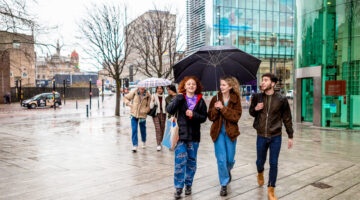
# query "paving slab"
(63, 154)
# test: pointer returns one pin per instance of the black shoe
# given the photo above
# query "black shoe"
(230, 176)
(188, 190)
(177, 193)
(223, 191)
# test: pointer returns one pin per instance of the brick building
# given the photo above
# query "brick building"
(17, 61)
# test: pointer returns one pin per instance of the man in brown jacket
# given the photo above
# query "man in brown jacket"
(270, 110)
(139, 102)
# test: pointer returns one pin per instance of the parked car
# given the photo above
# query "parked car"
(290, 94)
(107, 93)
(42, 100)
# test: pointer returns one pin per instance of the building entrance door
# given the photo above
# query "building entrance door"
(307, 99)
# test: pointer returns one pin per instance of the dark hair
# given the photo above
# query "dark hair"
(172, 88)
(159, 87)
(199, 87)
(272, 77)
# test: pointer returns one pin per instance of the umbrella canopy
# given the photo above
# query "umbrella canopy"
(209, 63)
(153, 82)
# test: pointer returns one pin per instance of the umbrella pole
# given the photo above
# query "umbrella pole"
(217, 94)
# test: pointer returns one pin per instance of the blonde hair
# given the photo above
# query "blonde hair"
(233, 83)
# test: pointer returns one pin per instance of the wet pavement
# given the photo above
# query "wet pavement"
(63, 154)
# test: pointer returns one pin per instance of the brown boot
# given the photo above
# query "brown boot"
(260, 178)
(271, 193)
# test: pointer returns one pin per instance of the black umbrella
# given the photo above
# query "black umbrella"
(209, 63)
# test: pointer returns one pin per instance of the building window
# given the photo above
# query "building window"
(24, 75)
(16, 44)
(11, 74)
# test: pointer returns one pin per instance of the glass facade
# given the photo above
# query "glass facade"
(328, 36)
(263, 28)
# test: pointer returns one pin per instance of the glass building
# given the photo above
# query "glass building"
(263, 28)
(327, 67)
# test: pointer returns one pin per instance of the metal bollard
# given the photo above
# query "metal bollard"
(87, 110)
(98, 103)
(76, 104)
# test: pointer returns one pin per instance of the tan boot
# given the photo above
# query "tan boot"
(271, 193)
(260, 178)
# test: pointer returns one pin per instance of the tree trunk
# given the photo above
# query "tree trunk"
(118, 95)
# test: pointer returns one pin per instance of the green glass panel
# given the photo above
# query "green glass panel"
(307, 99)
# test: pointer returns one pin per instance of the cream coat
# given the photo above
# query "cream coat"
(140, 106)
(155, 100)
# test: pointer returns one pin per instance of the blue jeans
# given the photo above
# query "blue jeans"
(185, 163)
(134, 127)
(225, 152)
(262, 145)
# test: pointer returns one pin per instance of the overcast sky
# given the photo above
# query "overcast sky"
(65, 14)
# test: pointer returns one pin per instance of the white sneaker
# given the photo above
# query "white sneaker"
(143, 145)
(134, 149)
(158, 148)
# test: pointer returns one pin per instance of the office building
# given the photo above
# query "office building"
(327, 68)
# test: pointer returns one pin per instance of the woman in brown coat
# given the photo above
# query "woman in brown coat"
(225, 111)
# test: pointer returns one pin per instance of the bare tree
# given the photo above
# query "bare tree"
(15, 18)
(104, 30)
(155, 42)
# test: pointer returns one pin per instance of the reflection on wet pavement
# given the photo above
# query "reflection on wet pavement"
(62, 154)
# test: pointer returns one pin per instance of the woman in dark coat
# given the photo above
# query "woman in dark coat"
(225, 111)
(191, 111)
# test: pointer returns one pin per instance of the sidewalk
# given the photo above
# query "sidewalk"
(62, 154)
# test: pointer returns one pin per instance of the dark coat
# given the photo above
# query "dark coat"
(278, 110)
(189, 128)
(230, 114)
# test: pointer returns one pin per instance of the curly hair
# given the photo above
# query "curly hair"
(182, 89)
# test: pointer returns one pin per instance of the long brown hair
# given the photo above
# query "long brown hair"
(234, 83)
(199, 87)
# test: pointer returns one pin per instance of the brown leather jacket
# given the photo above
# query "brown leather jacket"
(230, 114)
(268, 121)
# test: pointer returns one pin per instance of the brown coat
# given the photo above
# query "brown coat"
(230, 114)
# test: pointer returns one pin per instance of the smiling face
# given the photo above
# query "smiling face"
(159, 90)
(190, 86)
(224, 87)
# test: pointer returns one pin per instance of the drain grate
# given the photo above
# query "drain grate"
(321, 185)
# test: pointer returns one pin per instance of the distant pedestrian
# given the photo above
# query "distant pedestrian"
(191, 112)
(171, 89)
(270, 110)
(139, 102)
(159, 119)
(7, 98)
(225, 112)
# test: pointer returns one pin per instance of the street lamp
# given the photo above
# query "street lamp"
(273, 39)
(90, 93)
(218, 18)
(54, 93)
(102, 89)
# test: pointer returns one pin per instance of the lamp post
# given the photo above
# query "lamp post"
(54, 88)
(272, 60)
(218, 18)
(90, 93)
(102, 89)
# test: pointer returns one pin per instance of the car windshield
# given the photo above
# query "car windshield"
(36, 97)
